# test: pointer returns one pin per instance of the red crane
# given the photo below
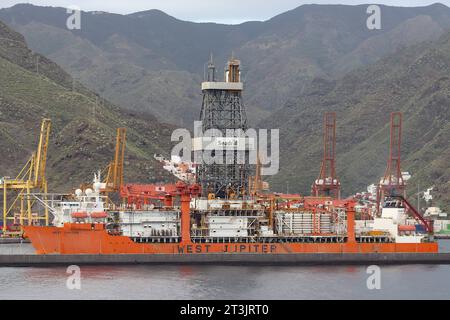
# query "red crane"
(327, 184)
(138, 195)
(145, 194)
(428, 224)
(392, 183)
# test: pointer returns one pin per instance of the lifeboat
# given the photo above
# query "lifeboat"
(99, 215)
(407, 228)
(79, 215)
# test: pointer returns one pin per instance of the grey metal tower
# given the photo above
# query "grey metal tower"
(223, 110)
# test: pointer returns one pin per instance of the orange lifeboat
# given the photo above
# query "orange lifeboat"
(407, 228)
(79, 215)
(99, 215)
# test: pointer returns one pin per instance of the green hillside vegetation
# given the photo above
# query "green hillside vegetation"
(150, 61)
(84, 125)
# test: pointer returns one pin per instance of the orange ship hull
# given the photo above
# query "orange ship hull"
(94, 239)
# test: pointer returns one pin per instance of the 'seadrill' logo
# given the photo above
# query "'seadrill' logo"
(232, 146)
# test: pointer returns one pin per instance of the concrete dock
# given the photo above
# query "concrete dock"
(226, 259)
(13, 241)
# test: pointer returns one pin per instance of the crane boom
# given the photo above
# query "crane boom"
(40, 162)
(119, 157)
(114, 177)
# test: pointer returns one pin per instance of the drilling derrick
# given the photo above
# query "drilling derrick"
(392, 183)
(327, 184)
(223, 111)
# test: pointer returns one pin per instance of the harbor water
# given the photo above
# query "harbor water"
(225, 282)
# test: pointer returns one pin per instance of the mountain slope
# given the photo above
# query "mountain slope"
(414, 81)
(83, 136)
(164, 57)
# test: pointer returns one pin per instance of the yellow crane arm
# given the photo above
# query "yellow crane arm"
(114, 178)
(41, 154)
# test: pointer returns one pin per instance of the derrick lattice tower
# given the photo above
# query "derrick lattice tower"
(327, 184)
(393, 183)
(223, 111)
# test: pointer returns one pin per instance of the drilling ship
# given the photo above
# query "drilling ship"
(226, 210)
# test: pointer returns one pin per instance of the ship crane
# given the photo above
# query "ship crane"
(31, 179)
(428, 224)
(114, 171)
(327, 184)
(256, 183)
(392, 183)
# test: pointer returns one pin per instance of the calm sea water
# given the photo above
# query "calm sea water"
(230, 282)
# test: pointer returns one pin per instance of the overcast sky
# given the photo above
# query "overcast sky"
(222, 11)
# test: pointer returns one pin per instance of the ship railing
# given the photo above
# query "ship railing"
(157, 239)
(270, 239)
(49, 200)
(374, 239)
(233, 212)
